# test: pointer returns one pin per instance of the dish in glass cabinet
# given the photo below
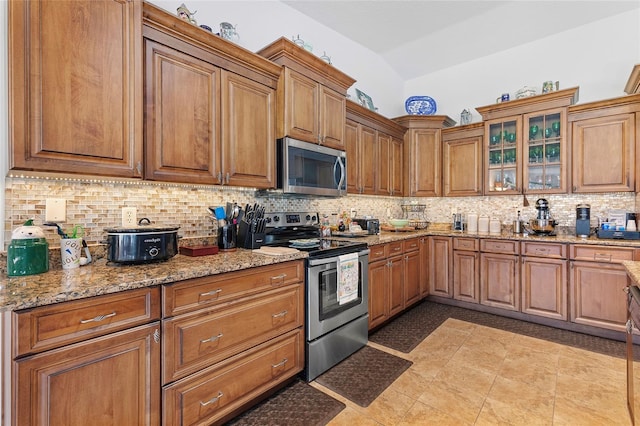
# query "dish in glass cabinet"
(420, 105)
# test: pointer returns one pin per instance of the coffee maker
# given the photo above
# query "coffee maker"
(583, 220)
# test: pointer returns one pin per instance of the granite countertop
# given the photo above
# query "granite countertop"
(633, 270)
(101, 278)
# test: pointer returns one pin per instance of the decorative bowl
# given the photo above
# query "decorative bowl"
(420, 105)
(399, 223)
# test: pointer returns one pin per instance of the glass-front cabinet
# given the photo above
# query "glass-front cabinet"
(526, 144)
(544, 156)
(503, 156)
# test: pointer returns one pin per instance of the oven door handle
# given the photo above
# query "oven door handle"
(316, 262)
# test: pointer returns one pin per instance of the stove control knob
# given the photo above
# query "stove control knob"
(153, 251)
(309, 217)
(268, 219)
(276, 218)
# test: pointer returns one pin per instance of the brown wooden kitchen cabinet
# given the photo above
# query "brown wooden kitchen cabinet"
(525, 144)
(423, 154)
(412, 291)
(72, 351)
(440, 266)
(466, 269)
(603, 136)
(375, 152)
(597, 279)
(228, 339)
(378, 285)
(208, 120)
(544, 279)
(311, 95)
(500, 274)
(462, 160)
(76, 109)
(424, 266)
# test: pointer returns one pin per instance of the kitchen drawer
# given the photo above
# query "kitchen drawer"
(207, 397)
(194, 341)
(56, 325)
(533, 248)
(197, 293)
(499, 246)
(411, 245)
(377, 252)
(468, 244)
(608, 254)
(396, 248)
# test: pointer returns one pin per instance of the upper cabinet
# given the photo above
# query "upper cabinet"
(462, 160)
(311, 95)
(603, 136)
(525, 144)
(210, 107)
(75, 87)
(423, 153)
(374, 146)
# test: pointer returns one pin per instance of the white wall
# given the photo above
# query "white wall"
(4, 119)
(597, 57)
(261, 22)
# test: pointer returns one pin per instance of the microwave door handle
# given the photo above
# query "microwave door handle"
(342, 172)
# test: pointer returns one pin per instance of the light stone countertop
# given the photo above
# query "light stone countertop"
(101, 278)
(633, 271)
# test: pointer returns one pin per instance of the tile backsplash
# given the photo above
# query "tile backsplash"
(97, 203)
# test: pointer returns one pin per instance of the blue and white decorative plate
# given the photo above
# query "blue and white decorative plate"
(420, 105)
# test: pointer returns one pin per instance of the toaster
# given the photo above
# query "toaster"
(372, 226)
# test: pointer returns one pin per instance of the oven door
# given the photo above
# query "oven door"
(323, 312)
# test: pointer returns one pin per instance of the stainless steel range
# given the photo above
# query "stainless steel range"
(336, 311)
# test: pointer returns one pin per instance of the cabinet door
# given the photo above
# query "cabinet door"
(383, 184)
(466, 276)
(368, 160)
(332, 117)
(503, 142)
(70, 385)
(396, 172)
(440, 266)
(500, 281)
(248, 132)
(351, 145)
(462, 167)
(301, 107)
(596, 295)
(544, 287)
(396, 284)
(545, 156)
(424, 163)
(378, 293)
(603, 154)
(75, 78)
(411, 278)
(424, 266)
(182, 117)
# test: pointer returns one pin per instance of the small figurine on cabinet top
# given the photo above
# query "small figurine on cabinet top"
(465, 117)
(186, 15)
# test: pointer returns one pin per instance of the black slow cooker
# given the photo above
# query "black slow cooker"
(141, 244)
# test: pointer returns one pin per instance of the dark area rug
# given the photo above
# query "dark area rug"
(409, 329)
(295, 405)
(364, 375)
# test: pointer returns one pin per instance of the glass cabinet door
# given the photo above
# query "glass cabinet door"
(544, 152)
(503, 141)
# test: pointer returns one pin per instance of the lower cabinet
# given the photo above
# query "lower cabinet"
(412, 293)
(597, 280)
(500, 274)
(544, 280)
(440, 266)
(466, 269)
(99, 362)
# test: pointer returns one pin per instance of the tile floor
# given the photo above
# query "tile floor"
(468, 374)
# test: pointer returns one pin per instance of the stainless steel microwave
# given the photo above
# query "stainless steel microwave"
(307, 168)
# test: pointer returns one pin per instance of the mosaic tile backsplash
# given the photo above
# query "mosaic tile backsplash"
(97, 204)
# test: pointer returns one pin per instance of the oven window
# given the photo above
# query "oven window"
(328, 287)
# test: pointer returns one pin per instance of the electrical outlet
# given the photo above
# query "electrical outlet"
(55, 210)
(129, 216)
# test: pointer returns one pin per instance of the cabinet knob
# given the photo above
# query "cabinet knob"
(227, 179)
(220, 177)
(139, 168)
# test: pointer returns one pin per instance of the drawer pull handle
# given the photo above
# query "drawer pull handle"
(98, 318)
(397, 249)
(280, 364)
(278, 279)
(212, 400)
(211, 293)
(602, 256)
(211, 339)
(280, 314)
(542, 250)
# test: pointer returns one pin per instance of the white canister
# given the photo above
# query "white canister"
(483, 224)
(472, 223)
(494, 226)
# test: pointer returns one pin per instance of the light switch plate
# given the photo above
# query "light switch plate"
(55, 210)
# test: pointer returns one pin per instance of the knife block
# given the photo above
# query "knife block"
(248, 239)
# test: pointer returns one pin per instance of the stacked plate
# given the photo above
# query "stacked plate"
(304, 243)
